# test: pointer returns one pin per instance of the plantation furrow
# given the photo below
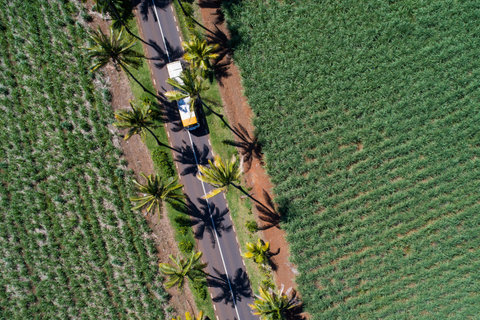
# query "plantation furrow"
(72, 246)
(374, 153)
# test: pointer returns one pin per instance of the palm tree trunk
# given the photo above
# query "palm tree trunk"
(248, 195)
(189, 16)
(159, 143)
(112, 7)
(139, 83)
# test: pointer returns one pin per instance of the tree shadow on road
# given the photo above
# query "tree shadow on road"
(144, 6)
(240, 285)
(187, 157)
(161, 56)
(202, 221)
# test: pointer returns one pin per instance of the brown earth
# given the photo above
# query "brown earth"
(240, 117)
(139, 160)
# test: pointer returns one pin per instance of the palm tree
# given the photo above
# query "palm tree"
(157, 191)
(274, 306)
(191, 85)
(258, 251)
(119, 11)
(193, 19)
(191, 268)
(190, 317)
(137, 121)
(116, 48)
(199, 54)
(220, 175)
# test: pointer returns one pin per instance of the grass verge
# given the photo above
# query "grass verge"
(183, 233)
(240, 206)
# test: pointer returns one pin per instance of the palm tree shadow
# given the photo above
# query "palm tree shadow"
(222, 62)
(161, 56)
(296, 313)
(202, 221)
(269, 215)
(271, 259)
(240, 285)
(171, 115)
(146, 5)
(250, 147)
(187, 157)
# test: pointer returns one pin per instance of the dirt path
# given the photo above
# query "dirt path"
(139, 160)
(240, 115)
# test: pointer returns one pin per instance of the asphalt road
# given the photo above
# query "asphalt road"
(216, 238)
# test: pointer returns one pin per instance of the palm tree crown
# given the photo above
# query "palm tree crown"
(272, 305)
(220, 175)
(114, 47)
(156, 191)
(136, 121)
(191, 268)
(199, 53)
(191, 317)
(258, 251)
(190, 85)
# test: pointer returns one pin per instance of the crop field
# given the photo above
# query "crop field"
(70, 245)
(369, 116)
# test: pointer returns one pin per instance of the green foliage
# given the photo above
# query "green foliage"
(201, 289)
(251, 225)
(186, 246)
(162, 161)
(71, 247)
(368, 113)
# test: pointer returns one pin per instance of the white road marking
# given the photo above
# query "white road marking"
(215, 307)
(243, 263)
(203, 185)
(176, 165)
(171, 7)
(166, 126)
(161, 30)
(211, 295)
(154, 82)
(216, 234)
(240, 250)
(168, 134)
(224, 196)
(217, 318)
(234, 230)
(237, 239)
(174, 18)
(177, 29)
(209, 142)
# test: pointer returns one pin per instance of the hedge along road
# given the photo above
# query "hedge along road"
(230, 287)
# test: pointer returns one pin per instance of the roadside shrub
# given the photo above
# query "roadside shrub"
(161, 161)
(251, 225)
(201, 289)
(186, 246)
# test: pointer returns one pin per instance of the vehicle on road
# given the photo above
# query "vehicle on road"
(187, 113)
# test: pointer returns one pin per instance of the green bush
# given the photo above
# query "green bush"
(162, 162)
(201, 289)
(186, 246)
(251, 225)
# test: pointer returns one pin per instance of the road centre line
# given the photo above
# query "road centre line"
(161, 30)
(216, 233)
(203, 185)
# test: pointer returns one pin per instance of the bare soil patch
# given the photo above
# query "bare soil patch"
(239, 115)
(139, 160)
